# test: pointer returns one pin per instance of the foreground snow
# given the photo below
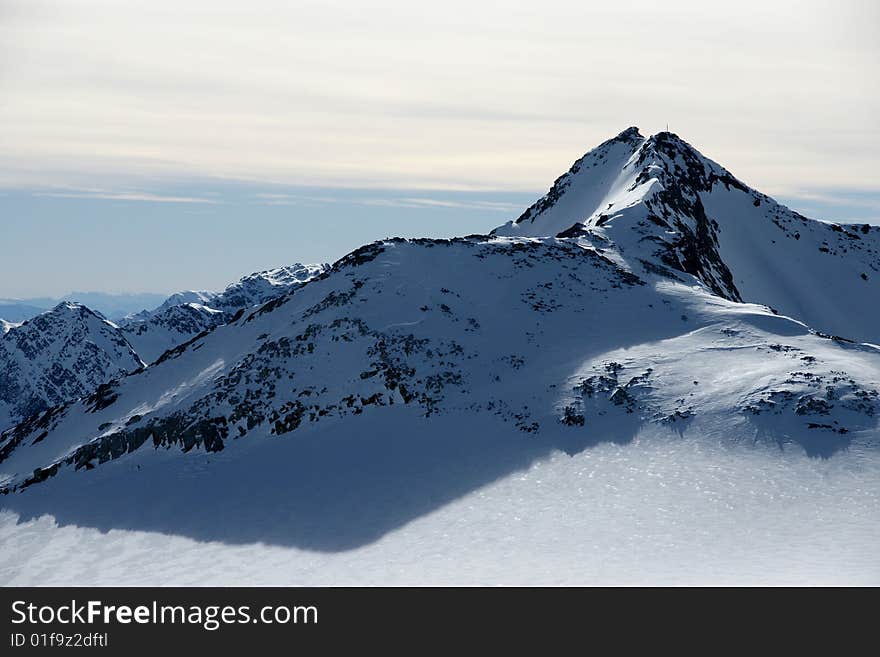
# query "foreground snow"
(658, 510)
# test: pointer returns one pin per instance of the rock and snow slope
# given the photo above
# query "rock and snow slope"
(601, 340)
(59, 355)
(186, 314)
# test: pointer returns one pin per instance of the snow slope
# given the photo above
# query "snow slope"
(588, 406)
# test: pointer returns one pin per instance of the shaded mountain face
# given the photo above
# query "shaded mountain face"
(59, 355)
(186, 314)
(614, 303)
(665, 208)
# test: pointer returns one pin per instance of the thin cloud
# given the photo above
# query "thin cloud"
(294, 199)
(421, 203)
(391, 202)
(129, 196)
(839, 199)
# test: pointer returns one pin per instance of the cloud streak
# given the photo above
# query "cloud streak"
(419, 203)
(127, 196)
(847, 199)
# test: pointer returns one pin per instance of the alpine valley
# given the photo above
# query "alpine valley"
(656, 374)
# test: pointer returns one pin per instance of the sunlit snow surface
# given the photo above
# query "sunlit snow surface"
(661, 509)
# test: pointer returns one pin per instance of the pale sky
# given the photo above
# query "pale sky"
(157, 102)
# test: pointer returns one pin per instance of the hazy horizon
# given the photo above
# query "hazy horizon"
(263, 224)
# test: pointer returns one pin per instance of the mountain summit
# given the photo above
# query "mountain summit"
(57, 356)
(666, 208)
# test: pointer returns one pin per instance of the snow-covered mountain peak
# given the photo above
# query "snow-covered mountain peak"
(630, 134)
(675, 162)
(282, 276)
(57, 356)
(626, 170)
(70, 308)
(262, 286)
(661, 207)
(574, 197)
(202, 297)
(66, 313)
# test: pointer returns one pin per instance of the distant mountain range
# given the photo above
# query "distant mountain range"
(111, 306)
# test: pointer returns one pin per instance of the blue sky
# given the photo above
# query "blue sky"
(55, 242)
(146, 241)
(160, 145)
